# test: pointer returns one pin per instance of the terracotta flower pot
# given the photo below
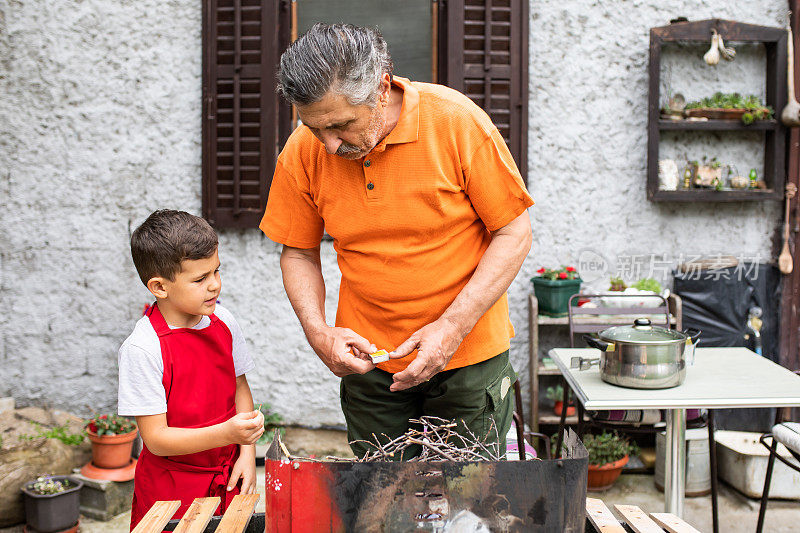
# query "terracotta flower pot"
(559, 406)
(602, 477)
(112, 451)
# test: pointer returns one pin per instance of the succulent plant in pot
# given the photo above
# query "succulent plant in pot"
(556, 394)
(52, 503)
(554, 287)
(608, 453)
(112, 440)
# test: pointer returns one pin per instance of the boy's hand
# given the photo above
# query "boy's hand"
(244, 468)
(245, 428)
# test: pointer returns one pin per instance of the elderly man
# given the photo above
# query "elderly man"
(428, 215)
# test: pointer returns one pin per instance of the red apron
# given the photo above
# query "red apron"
(200, 384)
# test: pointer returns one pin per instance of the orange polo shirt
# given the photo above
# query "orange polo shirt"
(410, 221)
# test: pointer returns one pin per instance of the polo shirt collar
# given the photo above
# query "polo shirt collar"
(407, 128)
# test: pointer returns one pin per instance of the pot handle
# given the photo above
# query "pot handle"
(583, 364)
(692, 334)
(600, 345)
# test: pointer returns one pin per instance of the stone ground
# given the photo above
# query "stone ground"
(737, 512)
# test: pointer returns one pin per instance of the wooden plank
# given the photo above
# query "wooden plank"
(601, 517)
(638, 519)
(672, 523)
(198, 515)
(238, 514)
(157, 517)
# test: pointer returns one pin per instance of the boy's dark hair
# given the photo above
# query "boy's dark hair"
(168, 237)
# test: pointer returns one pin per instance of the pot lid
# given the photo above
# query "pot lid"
(641, 332)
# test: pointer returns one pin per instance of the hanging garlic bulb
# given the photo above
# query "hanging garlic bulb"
(712, 56)
(727, 52)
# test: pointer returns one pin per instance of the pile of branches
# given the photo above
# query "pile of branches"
(438, 440)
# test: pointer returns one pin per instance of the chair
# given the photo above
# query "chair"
(788, 434)
(592, 319)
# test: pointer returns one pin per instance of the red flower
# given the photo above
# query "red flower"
(541, 270)
(562, 275)
(570, 269)
(103, 417)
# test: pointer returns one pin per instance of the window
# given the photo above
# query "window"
(407, 27)
(479, 47)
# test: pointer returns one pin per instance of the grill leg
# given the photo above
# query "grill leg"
(762, 510)
(712, 459)
(675, 464)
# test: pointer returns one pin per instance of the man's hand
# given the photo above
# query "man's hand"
(244, 468)
(245, 428)
(435, 344)
(343, 350)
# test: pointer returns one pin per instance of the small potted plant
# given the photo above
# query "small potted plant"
(52, 503)
(608, 453)
(556, 394)
(112, 440)
(553, 289)
(617, 285)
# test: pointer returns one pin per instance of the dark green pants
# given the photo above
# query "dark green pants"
(476, 394)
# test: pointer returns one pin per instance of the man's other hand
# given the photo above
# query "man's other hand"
(435, 344)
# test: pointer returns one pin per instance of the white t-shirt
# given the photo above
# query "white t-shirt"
(141, 367)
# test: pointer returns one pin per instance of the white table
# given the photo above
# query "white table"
(719, 378)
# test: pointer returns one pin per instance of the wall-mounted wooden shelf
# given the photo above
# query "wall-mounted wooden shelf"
(774, 174)
(711, 195)
(716, 125)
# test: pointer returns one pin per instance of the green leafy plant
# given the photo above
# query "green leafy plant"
(47, 485)
(565, 272)
(110, 424)
(607, 448)
(647, 284)
(617, 284)
(555, 394)
(61, 433)
(756, 110)
(64, 434)
(272, 420)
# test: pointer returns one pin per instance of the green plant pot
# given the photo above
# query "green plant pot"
(553, 295)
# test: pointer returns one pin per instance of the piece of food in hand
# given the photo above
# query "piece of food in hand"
(380, 356)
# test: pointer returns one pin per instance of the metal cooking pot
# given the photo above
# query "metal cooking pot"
(641, 356)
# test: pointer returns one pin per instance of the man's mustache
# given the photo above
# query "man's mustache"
(346, 148)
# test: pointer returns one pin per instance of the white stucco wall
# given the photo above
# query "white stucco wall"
(100, 125)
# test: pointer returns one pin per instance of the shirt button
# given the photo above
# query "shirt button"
(367, 163)
(370, 185)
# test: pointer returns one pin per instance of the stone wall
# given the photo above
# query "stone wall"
(100, 125)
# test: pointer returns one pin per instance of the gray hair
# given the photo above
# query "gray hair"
(347, 59)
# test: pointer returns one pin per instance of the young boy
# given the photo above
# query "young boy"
(182, 372)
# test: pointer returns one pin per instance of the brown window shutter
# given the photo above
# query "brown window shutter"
(242, 42)
(486, 46)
